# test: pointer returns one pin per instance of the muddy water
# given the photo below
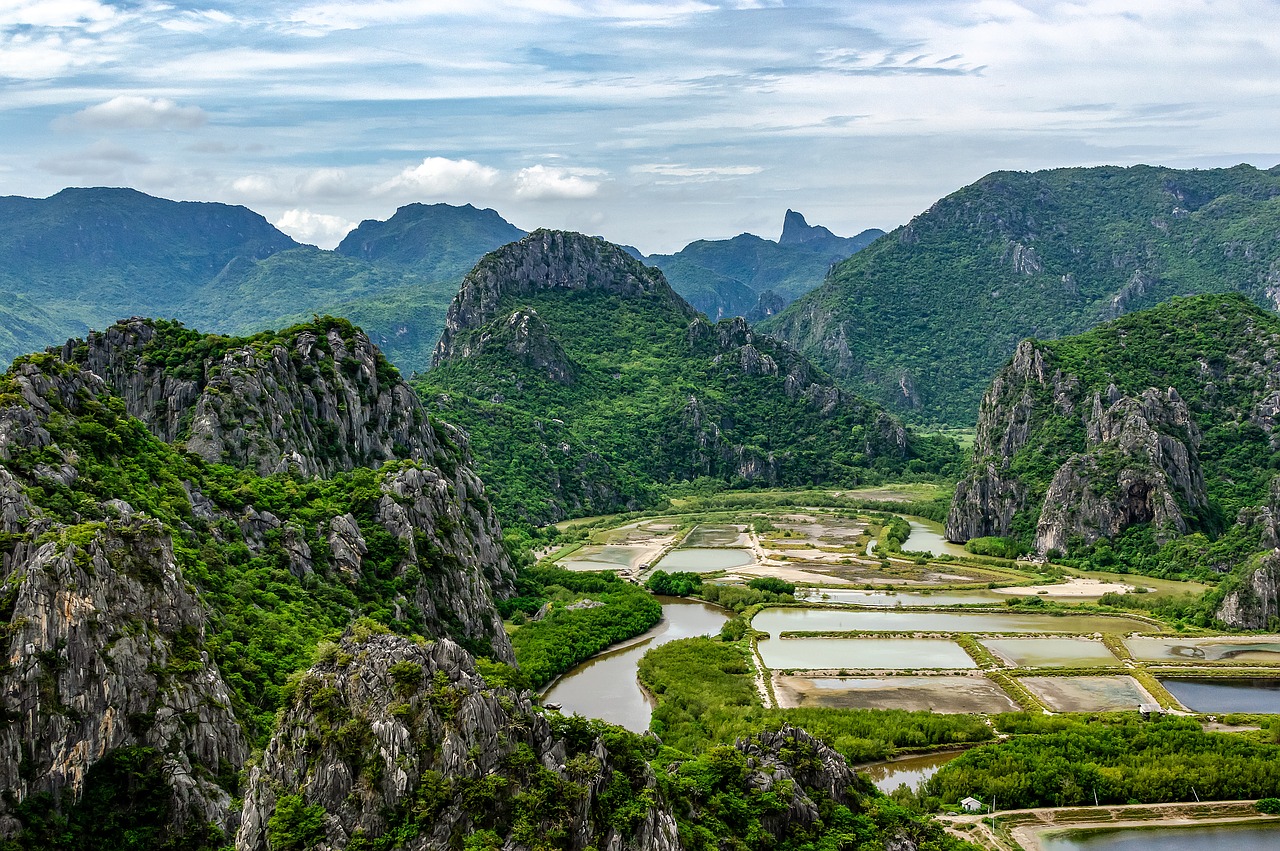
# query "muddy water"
(1052, 652)
(885, 654)
(608, 557)
(714, 535)
(777, 621)
(1203, 650)
(927, 537)
(941, 694)
(605, 686)
(911, 770)
(1227, 837)
(1226, 695)
(704, 559)
(1088, 694)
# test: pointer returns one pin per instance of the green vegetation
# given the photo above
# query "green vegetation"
(126, 806)
(582, 401)
(264, 622)
(566, 636)
(729, 277)
(86, 257)
(679, 584)
(707, 695)
(1016, 255)
(1064, 760)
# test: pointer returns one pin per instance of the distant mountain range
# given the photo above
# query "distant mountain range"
(754, 277)
(85, 258)
(923, 319)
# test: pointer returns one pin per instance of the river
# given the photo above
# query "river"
(605, 685)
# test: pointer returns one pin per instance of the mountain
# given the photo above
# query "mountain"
(185, 517)
(438, 241)
(753, 277)
(586, 382)
(86, 257)
(923, 319)
(1146, 444)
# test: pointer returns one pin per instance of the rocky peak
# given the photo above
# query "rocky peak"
(524, 335)
(316, 398)
(544, 260)
(796, 230)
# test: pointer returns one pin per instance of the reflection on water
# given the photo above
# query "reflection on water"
(605, 686)
(911, 770)
(870, 653)
(1226, 837)
(777, 621)
(704, 559)
(927, 537)
(1202, 650)
(1226, 695)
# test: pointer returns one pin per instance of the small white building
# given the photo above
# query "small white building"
(971, 805)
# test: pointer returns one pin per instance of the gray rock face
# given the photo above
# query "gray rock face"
(433, 737)
(526, 336)
(104, 650)
(318, 403)
(428, 727)
(543, 260)
(1255, 603)
(1136, 459)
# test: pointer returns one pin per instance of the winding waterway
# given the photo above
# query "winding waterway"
(605, 685)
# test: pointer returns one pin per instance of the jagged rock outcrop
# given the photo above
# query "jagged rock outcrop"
(104, 632)
(543, 260)
(442, 754)
(1254, 603)
(103, 650)
(525, 336)
(429, 735)
(1124, 460)
(317, 400)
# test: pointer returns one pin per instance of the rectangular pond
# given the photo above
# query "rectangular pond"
(947, 695)
(777, 621)
(1246, 694)
(883, 654)
(704, 559)
(1051, 652)
(1215, 837)
(1088, 694)
(715, 535)
(609, 557)
(1204, 650)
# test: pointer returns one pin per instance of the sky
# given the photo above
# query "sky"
(650, 123)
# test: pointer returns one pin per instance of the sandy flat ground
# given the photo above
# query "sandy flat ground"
(1074, 587)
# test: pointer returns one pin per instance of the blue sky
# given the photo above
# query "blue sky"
(649, 123)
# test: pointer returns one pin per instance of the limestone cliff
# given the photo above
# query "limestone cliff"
(1161, 418)
(318, 399)
(150, 600)
(385, 735)
(1254, 602)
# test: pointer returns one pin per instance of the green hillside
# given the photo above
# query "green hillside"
(728, 277)
(586, 383)
(922, 319)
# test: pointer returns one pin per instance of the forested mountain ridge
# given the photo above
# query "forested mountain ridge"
(585, 382)
(84, 258)
(922, 319)
(160, 584)
(1148, 444)
(754, 277)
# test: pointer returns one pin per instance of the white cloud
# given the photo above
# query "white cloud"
(101, 160)
(320, 184)
(55, 13)
(134, 112)
(681, 173)
(314, 228)
(436, 176)
(541, 183)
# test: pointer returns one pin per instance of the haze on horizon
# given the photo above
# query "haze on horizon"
(651, 123)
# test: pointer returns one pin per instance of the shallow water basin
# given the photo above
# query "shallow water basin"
(777, 621)
(1246, 694)
(705, 559)
(1088, 694)
(882, 654)
(943, 694)
(1203, 650)
(1051, 652)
